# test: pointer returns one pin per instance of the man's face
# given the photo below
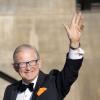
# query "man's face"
(28, 64)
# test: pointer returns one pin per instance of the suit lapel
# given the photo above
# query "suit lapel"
(13, 95)
(15, 91)
(39, 83)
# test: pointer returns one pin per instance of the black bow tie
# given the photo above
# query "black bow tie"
(23, 87)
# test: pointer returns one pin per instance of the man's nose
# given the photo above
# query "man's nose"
(28, 66)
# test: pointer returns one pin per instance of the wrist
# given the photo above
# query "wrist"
(74, 45)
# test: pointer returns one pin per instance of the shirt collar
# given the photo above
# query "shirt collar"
(34, 81)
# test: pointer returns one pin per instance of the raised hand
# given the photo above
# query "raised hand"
(75, 29)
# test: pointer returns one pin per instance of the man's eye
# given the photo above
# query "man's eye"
(16, 65)
(22, 64)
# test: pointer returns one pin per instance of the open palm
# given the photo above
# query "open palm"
(75, 29)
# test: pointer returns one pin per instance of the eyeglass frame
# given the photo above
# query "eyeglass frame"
(26, 63)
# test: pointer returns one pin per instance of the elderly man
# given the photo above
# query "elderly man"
(36, 85)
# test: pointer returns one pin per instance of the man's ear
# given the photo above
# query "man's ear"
(40, 63)
(15, 68)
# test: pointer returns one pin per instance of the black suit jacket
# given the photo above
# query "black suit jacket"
(57, 83)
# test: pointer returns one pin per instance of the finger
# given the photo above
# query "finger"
(81, 20)
(82, 27)
(78, 18)
(78, 11)
(81, 23)
(74, 18)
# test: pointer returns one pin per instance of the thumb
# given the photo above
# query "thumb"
(67, 28)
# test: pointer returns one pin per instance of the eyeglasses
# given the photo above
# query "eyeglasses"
(25, 64)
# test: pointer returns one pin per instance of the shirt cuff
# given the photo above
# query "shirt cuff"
(76, 54)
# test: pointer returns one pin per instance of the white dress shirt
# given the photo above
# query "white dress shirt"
(76, 54)
(27, 94)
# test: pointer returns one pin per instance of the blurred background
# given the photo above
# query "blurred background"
(40, 23)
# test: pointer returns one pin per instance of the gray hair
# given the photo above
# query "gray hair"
(25, 46)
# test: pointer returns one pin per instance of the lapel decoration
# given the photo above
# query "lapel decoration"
(41, 90)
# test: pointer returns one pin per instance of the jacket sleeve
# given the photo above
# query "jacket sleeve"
(6, 94)
(65, 78)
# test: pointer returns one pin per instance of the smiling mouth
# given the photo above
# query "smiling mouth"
(28, 71)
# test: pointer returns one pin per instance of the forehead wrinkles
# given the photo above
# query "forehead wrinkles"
(24, 53)
(24, 47)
